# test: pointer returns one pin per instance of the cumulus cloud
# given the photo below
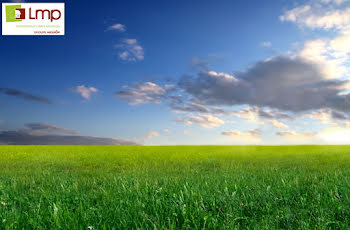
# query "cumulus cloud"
(85, 92)
(24, 95)
(277, 118)
(275, 91)
(330, 53)
(278, 124)
(130, 50)
(190, 107)
(340, 115)
(143, 93)
(317, 16)
(304, 137)
(183, 120)
(250, 113)
(329, 117)
(275, 114)
(337, 2)
(322, 115)
(293, 134)
(260, 116)
(44, 129)
(48, 134)
(206, 121)
(151, 134)
(266, 44)
(285, 83)
(250, 135)
(117, 27)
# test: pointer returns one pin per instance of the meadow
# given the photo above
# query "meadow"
(174, 187)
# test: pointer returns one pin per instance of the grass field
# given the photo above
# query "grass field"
(188, 187)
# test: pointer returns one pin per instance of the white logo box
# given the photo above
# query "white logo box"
(33, 18)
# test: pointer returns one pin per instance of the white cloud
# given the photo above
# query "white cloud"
(143, 93)
(284, 83)
(294, 14)
(316, 16)
(266, 44)
(330, 117)
(260, 116)
(206, 121)
(250, 113)
(85, 92)
(340, 45)
(337, 2)
(293, 134)
(243, 136)
(183, 120)
(151, 134)
(278, 125)
(223, 76)
(293, 137)
(178, 106)
(331, 54)
(323, 115)
(130, 50)
(117, 27)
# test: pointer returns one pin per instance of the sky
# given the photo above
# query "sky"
(181, 72)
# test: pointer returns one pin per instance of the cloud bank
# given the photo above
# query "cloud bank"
(24, 95)
(206, 121)
(44, 129)
(285, 83)
(142, 93)
(47, 134)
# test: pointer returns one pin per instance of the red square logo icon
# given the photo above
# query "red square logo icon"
(20, 13)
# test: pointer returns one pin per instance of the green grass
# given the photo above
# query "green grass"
(188, 187)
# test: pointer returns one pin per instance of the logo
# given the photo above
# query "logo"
(20, 14)
(33, 19)
(13, 13)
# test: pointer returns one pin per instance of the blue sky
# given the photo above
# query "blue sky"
(121, 63)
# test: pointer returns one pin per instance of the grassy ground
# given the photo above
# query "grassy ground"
(188, 187)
